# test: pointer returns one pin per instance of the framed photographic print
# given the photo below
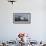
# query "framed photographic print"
(21, 18)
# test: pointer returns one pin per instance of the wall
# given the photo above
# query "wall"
(37, 28)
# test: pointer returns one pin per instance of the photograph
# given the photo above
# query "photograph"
(21, 18)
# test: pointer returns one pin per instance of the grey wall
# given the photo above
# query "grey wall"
(37, 28)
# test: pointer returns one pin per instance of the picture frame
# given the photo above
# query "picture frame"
(21, 18)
